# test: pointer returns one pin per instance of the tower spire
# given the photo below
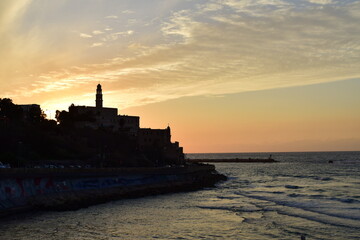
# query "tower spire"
(99, 100)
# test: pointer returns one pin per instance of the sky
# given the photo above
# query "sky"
(226, 75)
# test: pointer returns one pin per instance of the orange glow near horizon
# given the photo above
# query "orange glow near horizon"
(281, 120)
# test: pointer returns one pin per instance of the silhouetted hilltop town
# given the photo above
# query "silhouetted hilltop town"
(83, 136)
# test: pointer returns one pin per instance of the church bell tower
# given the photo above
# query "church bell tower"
(99, 100)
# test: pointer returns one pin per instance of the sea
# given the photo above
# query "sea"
(309, 195)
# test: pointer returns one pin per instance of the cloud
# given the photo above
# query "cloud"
(210, 7)
(112, 17)
(321, 1)
(112, 37)
(97, 44)
(280, 47)
(84, 35)
(97, 32)
(218, 47)
(180, 24)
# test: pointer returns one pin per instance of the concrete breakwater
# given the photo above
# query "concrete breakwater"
(67, 189)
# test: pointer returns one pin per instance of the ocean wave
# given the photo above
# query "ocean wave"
(227, 197)
(241, 209)
(324, 197)
(295, 195)
(308, 177)
(323, 178)
(322, 218)
(317, 196)
(292, 186)
(323, 209)
(345, 200)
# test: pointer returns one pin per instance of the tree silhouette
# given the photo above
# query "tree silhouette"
(8, 110)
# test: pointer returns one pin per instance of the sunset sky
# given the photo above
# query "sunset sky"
(227, 75)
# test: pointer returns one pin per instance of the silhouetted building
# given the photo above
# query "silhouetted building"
(102, 117)
(95, 117)
(160, 139)
(30, 107)
(154, 137)
(155, 143)
(128, 124)
(30, 111)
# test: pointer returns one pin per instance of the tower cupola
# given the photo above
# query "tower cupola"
(99, 100)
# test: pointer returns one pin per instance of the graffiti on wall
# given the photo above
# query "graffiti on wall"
(15, 190)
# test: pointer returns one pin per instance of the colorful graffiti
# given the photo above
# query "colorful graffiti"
(15, 191)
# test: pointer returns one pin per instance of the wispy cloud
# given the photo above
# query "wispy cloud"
(321, 1)
(84, 35)
(97, 32)
(112, 17)
(97, 44)
(217, 47)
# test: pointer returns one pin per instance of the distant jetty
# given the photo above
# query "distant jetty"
(233, 160)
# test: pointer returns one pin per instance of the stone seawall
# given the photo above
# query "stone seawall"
(67, 189)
